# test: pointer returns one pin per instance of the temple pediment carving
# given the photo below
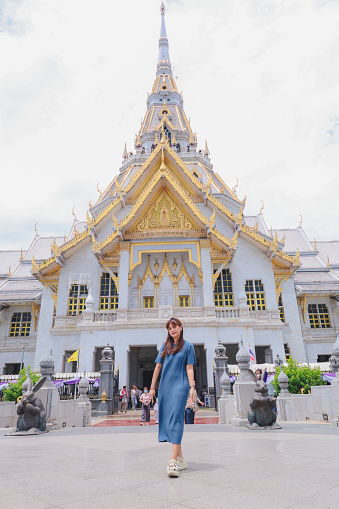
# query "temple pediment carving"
(165, 217)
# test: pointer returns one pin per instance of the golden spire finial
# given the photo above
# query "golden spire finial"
(98, 189)
(328, 262)
(206, 152)
(138, 142)
(301, 220)
(21, 255)
(9, 271)
(262, 207)
(315, 245)
(124, 154)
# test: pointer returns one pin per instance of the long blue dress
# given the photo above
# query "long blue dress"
(173, 393)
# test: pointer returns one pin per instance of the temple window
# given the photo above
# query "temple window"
(281, 308)
(184, 301)
(109, 298)
(20, 324)
(223, 290)
(319, 316)
(255, 294)
(168, 134)
(148, 302)
(77, 297)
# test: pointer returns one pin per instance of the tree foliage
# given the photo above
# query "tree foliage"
(14, 391)
(299, 377)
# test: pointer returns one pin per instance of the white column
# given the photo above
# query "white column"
(44, 340)
(206, 268)
(123, 274)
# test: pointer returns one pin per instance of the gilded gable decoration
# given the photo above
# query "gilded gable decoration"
(165, 217)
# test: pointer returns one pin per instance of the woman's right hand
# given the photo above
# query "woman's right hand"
(152, 393)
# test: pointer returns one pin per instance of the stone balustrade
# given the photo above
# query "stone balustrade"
(104, 318)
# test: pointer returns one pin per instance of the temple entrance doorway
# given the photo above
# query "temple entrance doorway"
(141, 365)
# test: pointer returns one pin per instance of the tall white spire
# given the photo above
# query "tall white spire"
(164, 63)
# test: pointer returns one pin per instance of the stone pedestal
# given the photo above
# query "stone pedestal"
(220, 365)
(244, 387)
(106, 380)
(223, 400)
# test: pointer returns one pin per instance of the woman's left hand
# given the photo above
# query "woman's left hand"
(192, 394)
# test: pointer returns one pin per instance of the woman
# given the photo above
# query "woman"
(176, 358)
(134, 397)
(145, 399)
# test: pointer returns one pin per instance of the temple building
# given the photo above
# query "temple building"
(168, 237)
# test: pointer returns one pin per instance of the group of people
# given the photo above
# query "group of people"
(143, 397)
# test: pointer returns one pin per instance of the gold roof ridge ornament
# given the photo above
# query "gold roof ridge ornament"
(98, 189)
(301, 220)
(297, 258)
(262, 207)
(315, 245)
(235, 187)
(328, 262)
(35, 229)
(9, 272)
(73, 212)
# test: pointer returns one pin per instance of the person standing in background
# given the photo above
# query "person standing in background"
(145, 399)
(123, 394)
(134, 392)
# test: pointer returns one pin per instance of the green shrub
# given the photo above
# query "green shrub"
(299, 377)
(14, 391)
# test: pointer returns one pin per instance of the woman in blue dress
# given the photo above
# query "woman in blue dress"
(176, 358)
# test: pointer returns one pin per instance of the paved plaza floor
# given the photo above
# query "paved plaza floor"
(125, 467)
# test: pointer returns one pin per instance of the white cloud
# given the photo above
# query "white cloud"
(259, 80)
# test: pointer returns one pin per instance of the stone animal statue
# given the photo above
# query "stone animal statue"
(262, 407)
(30, 409)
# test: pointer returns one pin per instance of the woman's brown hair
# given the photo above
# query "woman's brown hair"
(168, 349)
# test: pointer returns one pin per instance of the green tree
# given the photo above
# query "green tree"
(299, 377)
(14, 391)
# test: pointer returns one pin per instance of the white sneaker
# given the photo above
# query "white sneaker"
(172, 469)
(182, 464)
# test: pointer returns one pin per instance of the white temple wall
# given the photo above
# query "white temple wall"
(82, 268)
(318, 348)
(291, 329)
(270, 337)
(70, 342)
(251, 263)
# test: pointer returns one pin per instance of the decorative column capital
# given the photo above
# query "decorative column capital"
(205, 243)
(124, 246)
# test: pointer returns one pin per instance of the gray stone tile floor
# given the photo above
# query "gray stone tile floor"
(125, 467)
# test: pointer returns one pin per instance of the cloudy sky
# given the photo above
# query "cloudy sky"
(260, 80)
